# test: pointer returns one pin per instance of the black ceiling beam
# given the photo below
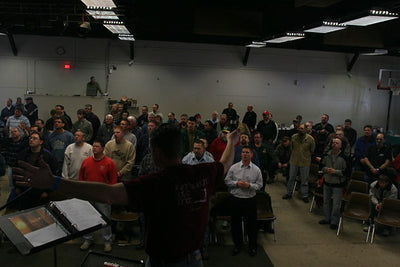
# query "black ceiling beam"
(12, 44)
(352, 61)
(246, 56)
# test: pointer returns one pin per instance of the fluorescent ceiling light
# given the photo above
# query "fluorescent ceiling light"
(117, 28)
(2, 33)
(99, 3)
(256, 44)
(375, 16)
(102, 14)
(327, 26)
(289, 36)
(377, 52)
(126, 37)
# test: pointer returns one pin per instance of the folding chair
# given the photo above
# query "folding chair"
(359, 208)
(355, 186)
(389, 214)
(264, 210)
(357, 175)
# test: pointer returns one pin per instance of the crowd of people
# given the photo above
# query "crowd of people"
(117, 148)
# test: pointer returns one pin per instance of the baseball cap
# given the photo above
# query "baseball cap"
(266, 112)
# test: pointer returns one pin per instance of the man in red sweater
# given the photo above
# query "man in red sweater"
(99, 168)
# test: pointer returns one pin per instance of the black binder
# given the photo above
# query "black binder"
(45, 226)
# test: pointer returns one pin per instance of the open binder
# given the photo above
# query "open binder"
(45, 226)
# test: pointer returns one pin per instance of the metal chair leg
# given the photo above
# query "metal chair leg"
(373, 233)
(339, 226)
(312, 203)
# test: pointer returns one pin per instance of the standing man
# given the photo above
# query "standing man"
(64, 116)
(231, 114)
(377, 159)
(334, 171)
(122, 152)
(156, 111)
(250, 118)
(265, 158)
(32, 155)
(106, 130)
(92, 87)
(282, 157)
(198, 154)
(58, 142)
(74, 155)
(209, 131)
(93, 119)
(83, 124)
(243, 180)
(31, 110)
(323, 129)
(244, 140)
(189, 135)
(267, 128)
(16, 120)
(143, 118)
(101, 169)
(217, 147)
(303, 146)
(7, 111)
(214, 119)
(183, 195)
(349, 132)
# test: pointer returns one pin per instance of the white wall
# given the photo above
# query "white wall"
(189, 78)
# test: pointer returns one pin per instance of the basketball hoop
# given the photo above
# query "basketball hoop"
(395, 90)
(389, 79)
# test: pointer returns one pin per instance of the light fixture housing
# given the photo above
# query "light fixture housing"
(289, 36)
(102, 14)
(256, 44)
(374, 16)
(116, 27)
(99, 3)
(327, 27)
(126, 37)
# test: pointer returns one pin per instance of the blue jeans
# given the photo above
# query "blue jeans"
(304, 175)
(191, 260)
(332, 203)
(106, 210)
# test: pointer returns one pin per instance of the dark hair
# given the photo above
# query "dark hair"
(257, 132)
(192, 118)
(348, 120)
(198, 141)
(248, 147)
(367, 126)
(61, 106)
(167, 137)
(100, 141)
(18, 108)
(53, 112)
(42, 121)
(39, 134)
(81, 111)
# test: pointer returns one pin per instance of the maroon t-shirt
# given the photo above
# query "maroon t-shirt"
(175, 203)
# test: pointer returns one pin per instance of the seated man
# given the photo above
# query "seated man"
(379, 190)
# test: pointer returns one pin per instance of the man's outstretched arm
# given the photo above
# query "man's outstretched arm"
(229, 152)
(42, 178)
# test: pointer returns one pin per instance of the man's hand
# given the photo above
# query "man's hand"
(378, 206)
(331, 170)
(243, 184)
(31, 176)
